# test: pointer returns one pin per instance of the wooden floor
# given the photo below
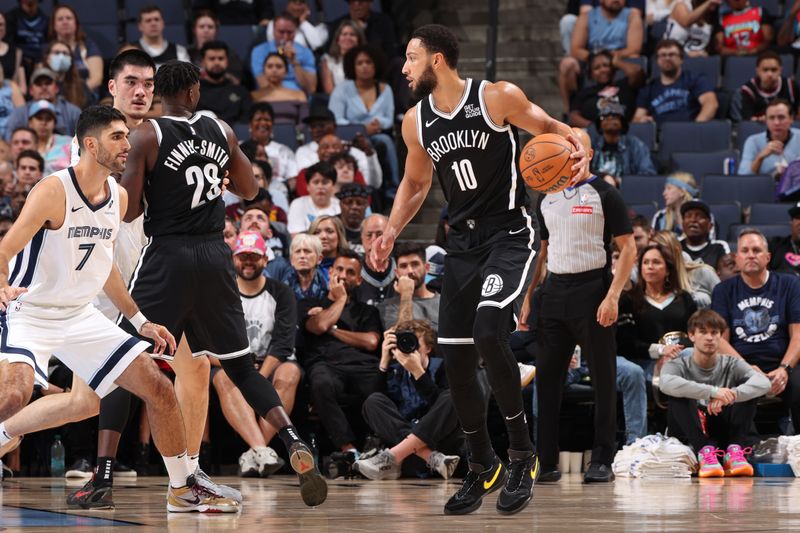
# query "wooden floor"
(760, 504)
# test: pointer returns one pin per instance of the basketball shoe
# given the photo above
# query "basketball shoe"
(380, 466)
(93, 495)
(198, 497)
(443, 464)
(313, 487)
(517, 493)
(709, 464)
(735, 464)
(223, 490)
(478, 483)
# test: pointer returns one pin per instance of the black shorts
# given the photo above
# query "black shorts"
(488, 264)
(187, 283)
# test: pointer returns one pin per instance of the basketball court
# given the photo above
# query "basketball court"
(410, 505)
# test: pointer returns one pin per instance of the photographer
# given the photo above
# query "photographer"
(415, 415)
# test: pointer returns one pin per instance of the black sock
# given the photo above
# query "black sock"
(289, 436)
(104, 474)
(518, 437)
(480, 448)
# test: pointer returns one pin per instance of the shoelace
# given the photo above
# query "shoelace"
(470, 479)
(737, 454)
(710, 455)
(517, 469)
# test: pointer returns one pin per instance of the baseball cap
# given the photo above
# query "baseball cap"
(250, 242)
(434, 256)
(794, 211)
(696, 204)
(43, 72)
(353, 190)
(319, 112)
(41, 105)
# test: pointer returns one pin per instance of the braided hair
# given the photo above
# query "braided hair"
(175, 76)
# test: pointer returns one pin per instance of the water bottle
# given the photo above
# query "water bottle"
(57, 458)
(729, 166)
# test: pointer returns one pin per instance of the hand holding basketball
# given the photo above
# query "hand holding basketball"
(545, 163)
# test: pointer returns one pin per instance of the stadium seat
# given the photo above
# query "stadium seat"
(726, 215)
(746, 190)
(745, 129)
(90, 12)
(647, 210)
(242, 130)
(710, 66)
(285, 134)
(238, 38)
(769, 230)
(346, 133)
(105, 36)
(770, 213)
(693, 137)
(172, 10)
(172, 33)
(645, 132)
(333, 9)
(772, 7)
(642, 189)
(700, 164)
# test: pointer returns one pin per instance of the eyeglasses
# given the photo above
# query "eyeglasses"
(667, 55)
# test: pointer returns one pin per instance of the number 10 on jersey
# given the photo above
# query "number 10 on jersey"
(199, 177)
(464, 174)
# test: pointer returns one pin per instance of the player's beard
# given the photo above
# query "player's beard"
(109, 160)
(425, 85)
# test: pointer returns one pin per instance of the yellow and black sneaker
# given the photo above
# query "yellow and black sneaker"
(517, 493)
(478, 482)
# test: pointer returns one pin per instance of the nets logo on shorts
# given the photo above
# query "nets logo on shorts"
(492, 285)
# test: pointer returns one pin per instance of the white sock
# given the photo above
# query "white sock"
(178, 469)
(5, 438)
(194, 461)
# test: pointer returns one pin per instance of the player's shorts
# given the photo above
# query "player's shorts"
(87, 342)
(488, 263)
(187, 283)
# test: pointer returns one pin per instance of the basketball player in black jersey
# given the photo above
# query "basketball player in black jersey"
(466, 130)
(185, 274)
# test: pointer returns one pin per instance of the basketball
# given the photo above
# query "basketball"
(545, 163)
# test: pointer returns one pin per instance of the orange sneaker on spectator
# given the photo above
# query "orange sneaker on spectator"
(709, 464)
(735, 464)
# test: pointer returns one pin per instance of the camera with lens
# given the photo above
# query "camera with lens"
(339, 464)
(407, 341)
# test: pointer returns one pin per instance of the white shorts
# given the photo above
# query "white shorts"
(91, 345)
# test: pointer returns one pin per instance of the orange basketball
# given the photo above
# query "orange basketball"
(545, 163)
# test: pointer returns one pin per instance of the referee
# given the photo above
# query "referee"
(579, 306)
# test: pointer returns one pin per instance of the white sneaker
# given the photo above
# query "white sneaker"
(443, 464)
(248, 465)
(267, 460)
(383, 465)
(224, 491)
(526, 374)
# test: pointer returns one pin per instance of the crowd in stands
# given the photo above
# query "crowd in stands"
(315, 102)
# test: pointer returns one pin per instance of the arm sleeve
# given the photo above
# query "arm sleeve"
(306, 59)
(754, 383)
(643, 98)
(315, 35)
(701, 86)
(283, 332)
(616, 213)
(338, 105)
(257, 59)
(673, 383)
(720, 302)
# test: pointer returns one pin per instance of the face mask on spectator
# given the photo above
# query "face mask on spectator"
(60, 62)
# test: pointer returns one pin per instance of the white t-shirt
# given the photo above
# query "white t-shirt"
(281, 157)
(308, 35)
(302, 212)
(695, 38)
(336, 68)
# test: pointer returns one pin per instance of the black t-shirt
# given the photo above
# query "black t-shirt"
(755, 100)
(356, 316)
(708, 254)
(785, 255)
(229, 101)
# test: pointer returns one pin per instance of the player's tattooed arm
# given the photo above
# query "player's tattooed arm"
(141, 158)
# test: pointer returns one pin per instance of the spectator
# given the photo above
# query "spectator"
(768, 84)
(743, 29)
(218, 93)
(237, 13)
(302, 275)
(302, 73)
(204, 29)
(679, 189)
(641, 232)
(378, 28)
(22, 138)
(256, 219)
(10, 98)
(30, 168)
(10, 57)
(346, 171)
(659, 303)
(27, 30)
(43, 86)
(412, 294)
(86, 56)
(697, 241)
(378, 284)
(577, 8)
(54, 148)
(691, 23)
(701, 278)
(785, 251)
(58, 58)
(363, 99)
(262, 171)
(588, 102)
(677, 95)
(330, 231)
(342, 336)
(309, 35)
(5, 224)
(331, 66)
(608, 26)
(271, 314)
(762, 311)
(230, 233)
(416, 415)
(770, 152)
(280, 156)
(353, 202)
(18, 197)
(320, 200)
(329, 146)
(151, 26)
(712, 402)
(321, 122)
(616, 153)
(727, 267)
(274, 89)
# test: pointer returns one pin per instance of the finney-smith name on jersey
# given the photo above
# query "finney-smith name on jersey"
(204, 147)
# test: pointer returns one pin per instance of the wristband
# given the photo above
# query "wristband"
(333, 329)
(137, 321)
(714, 391)
(786, 367)
(661, 349)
